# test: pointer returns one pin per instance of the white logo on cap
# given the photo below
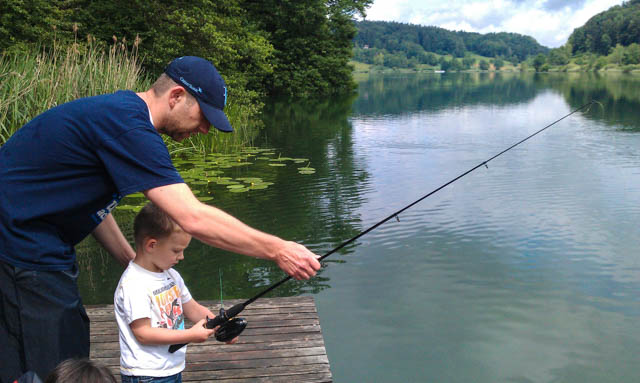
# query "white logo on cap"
(193, 88)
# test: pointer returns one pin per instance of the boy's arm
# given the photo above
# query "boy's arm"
(194, 311)
(145, 334)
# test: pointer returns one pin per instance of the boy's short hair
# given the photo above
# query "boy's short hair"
(152, 222)
(80, 371)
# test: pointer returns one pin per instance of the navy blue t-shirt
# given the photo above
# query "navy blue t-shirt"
(63, 172)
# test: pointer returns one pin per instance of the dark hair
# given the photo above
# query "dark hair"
(152, 222)
(164, 83)
(80, 371)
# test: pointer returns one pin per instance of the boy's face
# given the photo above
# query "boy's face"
(167, 252)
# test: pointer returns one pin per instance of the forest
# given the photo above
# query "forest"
(270, 47)
(406, 45)
(619, 25)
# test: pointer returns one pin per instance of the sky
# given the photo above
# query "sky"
(550, 22)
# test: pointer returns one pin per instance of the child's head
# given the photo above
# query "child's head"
(80, 371)
(158, 238)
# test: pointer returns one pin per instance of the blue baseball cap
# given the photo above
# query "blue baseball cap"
(202, 80)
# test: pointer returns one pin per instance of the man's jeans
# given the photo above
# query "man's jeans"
(42, 321)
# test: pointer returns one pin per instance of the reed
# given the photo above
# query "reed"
(33, 82)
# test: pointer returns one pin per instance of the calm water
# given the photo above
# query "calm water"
(528, 271)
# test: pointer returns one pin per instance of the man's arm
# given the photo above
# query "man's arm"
(108, 234)
(219, 229)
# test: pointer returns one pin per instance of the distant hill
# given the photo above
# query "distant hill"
(617, 25)
(418, 41)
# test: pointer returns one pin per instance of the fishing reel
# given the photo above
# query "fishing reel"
(230, 327)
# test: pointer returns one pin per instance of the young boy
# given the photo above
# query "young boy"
(151, 301)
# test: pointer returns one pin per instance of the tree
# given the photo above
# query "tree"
(631, 54)
(28, 23)
(468, 62)
(378, 59)
(558, 56)
(312, 43)
(539, 61)
(617, 54)
(484, 65)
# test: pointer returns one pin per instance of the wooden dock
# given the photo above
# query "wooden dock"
(282, 343)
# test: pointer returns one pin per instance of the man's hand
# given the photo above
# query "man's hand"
(297, 261)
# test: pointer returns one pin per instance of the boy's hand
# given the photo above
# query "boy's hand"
(199, 332)
(232, 341)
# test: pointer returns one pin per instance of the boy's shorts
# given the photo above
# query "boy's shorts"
(42, 320)
(177, 378)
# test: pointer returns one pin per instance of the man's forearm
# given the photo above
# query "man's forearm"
(217, 228)
(108, 234)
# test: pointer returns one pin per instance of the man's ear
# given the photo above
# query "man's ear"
(176, 94)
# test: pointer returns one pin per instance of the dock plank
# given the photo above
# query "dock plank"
(282, 343)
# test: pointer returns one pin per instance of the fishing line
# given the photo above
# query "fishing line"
(228, 315)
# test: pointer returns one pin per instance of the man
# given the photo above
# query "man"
(64, 172)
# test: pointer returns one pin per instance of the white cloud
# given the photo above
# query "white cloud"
(548, 21)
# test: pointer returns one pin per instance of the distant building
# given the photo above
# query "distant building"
(366, 46)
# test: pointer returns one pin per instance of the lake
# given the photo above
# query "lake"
(525, 271)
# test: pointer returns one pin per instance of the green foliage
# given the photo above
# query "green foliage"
(28, 23)
(484, 65)
(631, 54)
(558, 56)
(268, 47)
(600, 62)
(468, 62)
(539, 61)
(414, 41)
(617, 25)
(217, 31)
(312, 43)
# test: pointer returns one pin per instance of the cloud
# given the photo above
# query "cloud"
(550, 22)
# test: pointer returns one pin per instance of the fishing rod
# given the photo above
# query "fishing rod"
(230, 326)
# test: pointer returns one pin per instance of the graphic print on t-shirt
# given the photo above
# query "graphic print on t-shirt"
(168, 300)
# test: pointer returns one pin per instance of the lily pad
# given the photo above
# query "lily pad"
(235, 186)
(226, 182)
(239, 190)
(277, 164)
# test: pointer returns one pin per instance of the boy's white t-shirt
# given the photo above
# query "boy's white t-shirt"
(159, 296)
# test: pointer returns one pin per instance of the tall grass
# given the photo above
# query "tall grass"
(33, 82)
